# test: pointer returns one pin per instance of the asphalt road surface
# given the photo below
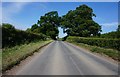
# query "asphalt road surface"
(61, 58)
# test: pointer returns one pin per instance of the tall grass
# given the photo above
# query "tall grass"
(113, 53)
(12, 56)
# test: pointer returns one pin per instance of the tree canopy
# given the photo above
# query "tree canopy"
(76, 22)
(49, 24)
(79, 22)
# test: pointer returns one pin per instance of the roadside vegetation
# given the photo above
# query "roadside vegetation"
(113, 53)
(13, 56)
(12, 37)
(100, 42)
(83, 31)
(113, 34)
(106, 44)
(18, 44)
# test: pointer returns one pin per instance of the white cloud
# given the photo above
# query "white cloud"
(108, 27)
(109, 24)
(11, 9)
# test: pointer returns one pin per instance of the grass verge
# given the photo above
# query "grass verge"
(13, 56)
(114, 54)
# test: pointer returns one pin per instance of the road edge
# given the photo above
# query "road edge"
(97, 54)
(24, 58)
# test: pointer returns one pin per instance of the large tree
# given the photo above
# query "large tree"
(49, 24)
(79, 22)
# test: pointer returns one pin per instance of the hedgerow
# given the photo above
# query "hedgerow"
(101, 42)
(12, 37)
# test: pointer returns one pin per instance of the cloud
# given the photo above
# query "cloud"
(109, 24)
(11, 9)
(108, 27)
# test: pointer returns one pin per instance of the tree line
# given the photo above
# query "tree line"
(76, 22)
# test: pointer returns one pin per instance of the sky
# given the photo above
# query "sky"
(60, 0)
(24, 14)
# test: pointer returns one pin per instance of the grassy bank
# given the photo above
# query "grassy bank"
(100, 42)
(13, 56)
(114, 54)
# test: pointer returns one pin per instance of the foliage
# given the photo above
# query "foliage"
(118, 29)
(12, 36)
(79, 22)
(64, 38)
(76, 22)
(49, 24)
(35, 26)
(114, 34)
(8, 26)
(101, 42)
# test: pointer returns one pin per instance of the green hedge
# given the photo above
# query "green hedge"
(101, 42)
(12, 37)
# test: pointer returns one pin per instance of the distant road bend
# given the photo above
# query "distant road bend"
(61, 58)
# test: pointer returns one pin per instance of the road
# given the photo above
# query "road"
(61, 58)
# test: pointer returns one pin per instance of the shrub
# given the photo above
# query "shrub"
(12, 36)
(101, 42)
